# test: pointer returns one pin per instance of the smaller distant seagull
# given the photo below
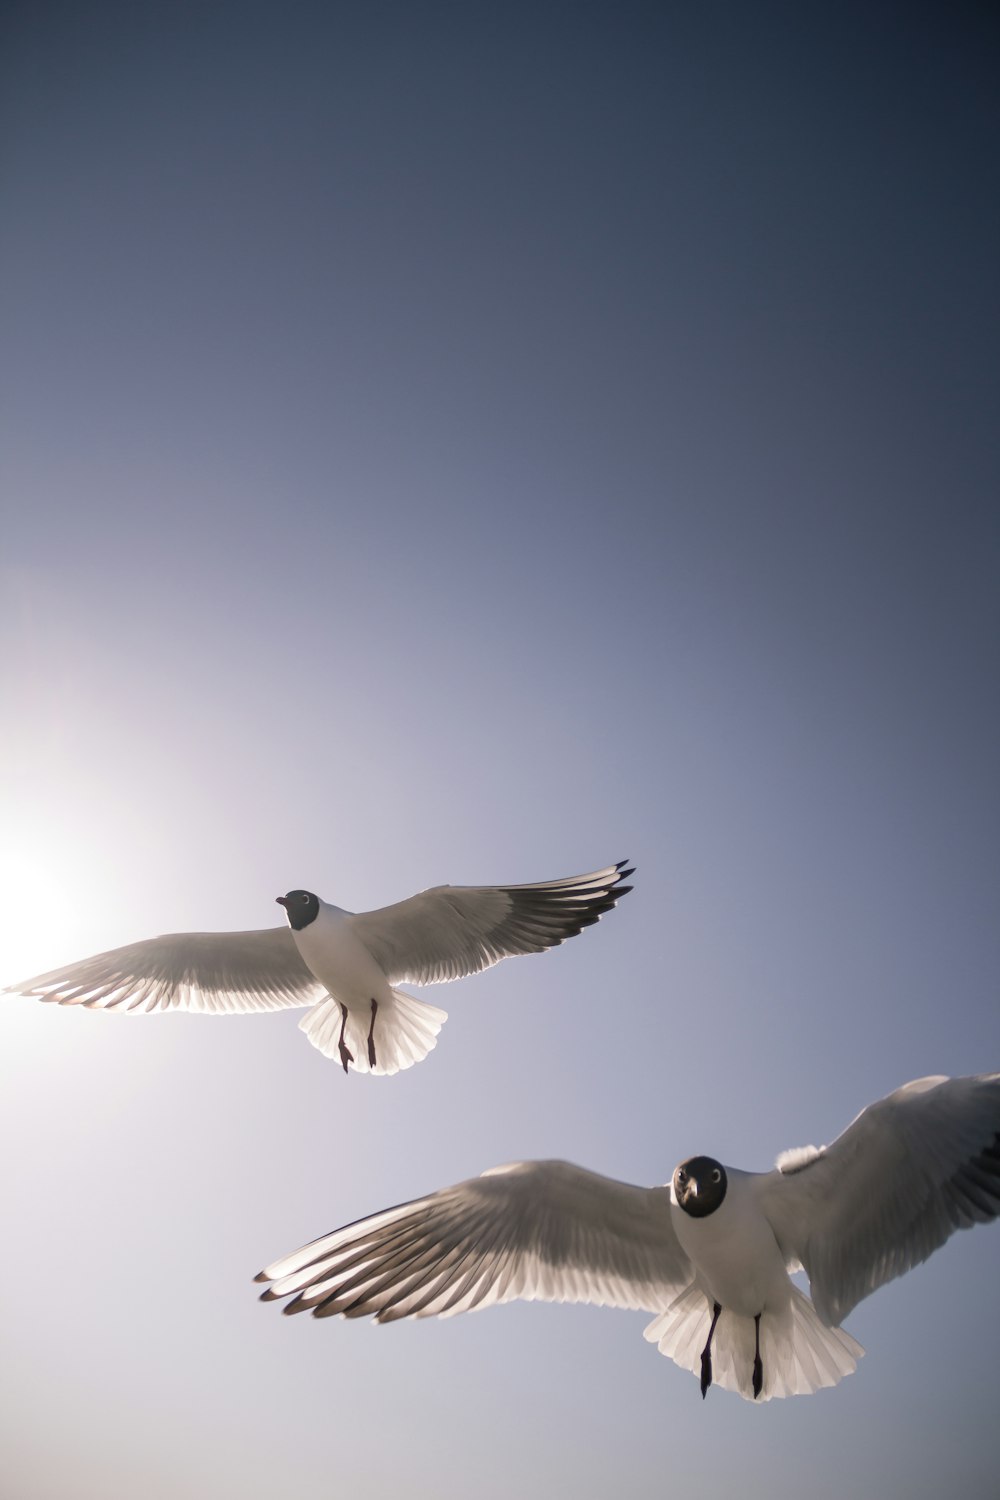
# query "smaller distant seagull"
(344, 965)
(710, 1255)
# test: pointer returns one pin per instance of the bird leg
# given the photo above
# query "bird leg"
(758, 1368)
(371, 1036)
(346, 1055)
(706, 1353)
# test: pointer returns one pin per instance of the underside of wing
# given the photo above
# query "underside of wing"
(454, 930)
(536, 1230)
(909, 1171)
(198, 971)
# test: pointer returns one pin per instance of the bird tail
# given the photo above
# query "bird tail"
(799, 1353)
(405, 1031)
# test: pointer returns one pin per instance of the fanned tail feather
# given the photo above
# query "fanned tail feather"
(406, 1030)
(798, 1352)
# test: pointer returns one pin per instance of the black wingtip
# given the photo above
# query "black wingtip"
(295, 1306)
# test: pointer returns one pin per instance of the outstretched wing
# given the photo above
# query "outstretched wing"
(454, 930)
(902, 1178)
(206, 971)
(543, 1230)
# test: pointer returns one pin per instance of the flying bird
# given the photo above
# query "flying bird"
(710, 1254)
(344, 965)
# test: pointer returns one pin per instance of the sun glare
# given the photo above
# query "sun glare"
(52, 908)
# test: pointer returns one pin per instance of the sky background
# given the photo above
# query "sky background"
(476, 443)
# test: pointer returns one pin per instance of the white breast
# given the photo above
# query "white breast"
(340, 960)
(734, 1252)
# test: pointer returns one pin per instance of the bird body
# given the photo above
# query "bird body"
(336, 956)
(767, 1339)
(733, 1250)
(711, 1255)
(358, 994)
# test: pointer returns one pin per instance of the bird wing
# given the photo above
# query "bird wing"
(542, 1230)
(902, 1178)
(206, 971)
(454, 930)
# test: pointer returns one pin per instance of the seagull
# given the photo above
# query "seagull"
(710, 1254)
(344, 965)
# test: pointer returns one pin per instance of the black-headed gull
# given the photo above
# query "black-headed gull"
(710, 1254)
(343, 965)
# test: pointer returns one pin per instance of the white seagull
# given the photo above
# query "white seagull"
(344, 965)
(710, 1255)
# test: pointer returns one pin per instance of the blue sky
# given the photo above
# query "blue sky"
(473, 444)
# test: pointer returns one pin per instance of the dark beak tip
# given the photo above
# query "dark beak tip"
(280, 900)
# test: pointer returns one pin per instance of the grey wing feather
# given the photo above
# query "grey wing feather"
(536, 1230)
(907, 1173)
(199, 971)
(454, 930)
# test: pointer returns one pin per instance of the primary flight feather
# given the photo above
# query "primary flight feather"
(343, 965)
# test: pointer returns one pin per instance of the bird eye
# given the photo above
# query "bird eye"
(305, 896)
(682, 1176)
(716, 1175)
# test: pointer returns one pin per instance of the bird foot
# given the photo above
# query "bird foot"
(346, 1055)
(706, 1353)
(758, 1368)
(371, 1036)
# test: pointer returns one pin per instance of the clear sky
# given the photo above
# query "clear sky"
(476, 443)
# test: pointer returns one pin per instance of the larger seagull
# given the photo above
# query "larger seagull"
(344, 965)
(710, 1254)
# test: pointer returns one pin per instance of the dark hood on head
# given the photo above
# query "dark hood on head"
(301, 908)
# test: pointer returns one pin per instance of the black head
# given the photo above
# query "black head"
(302, 907)
(700, 1185)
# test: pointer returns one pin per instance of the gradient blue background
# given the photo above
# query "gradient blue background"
(475, 443)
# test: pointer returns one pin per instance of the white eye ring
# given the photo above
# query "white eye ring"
(716, 1175)
(305, 896)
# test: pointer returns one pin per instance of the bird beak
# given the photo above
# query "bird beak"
(281, 901)
(692, 1188)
